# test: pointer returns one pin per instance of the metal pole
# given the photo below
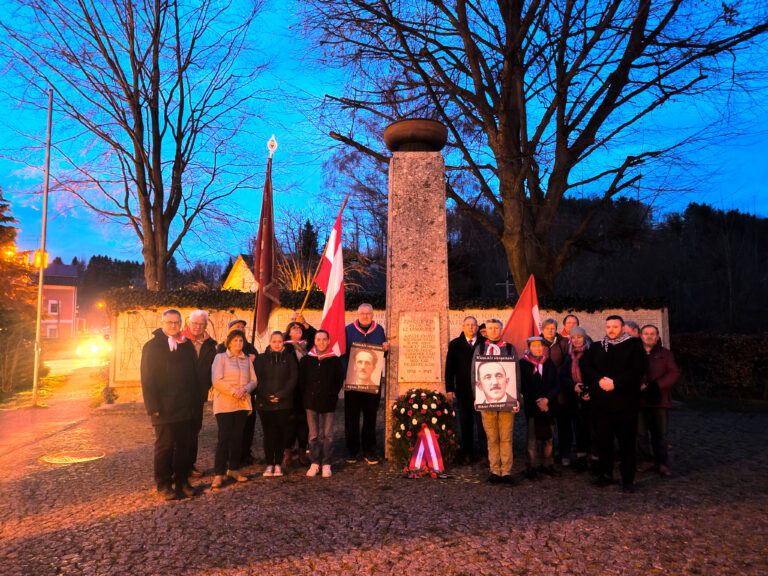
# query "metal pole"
(38, 346)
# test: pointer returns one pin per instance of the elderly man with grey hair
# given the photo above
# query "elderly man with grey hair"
(205, 348)
(169, 386)
(498, 424)
(367, 331)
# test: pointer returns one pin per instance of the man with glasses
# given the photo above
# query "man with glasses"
(169, 386)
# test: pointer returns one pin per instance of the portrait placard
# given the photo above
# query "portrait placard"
(366, 362)
(494, 380)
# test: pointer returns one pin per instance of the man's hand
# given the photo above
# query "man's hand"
(274, 399)
(450, 396)
(155, 414)
(578, 387)
(516, 408)
(385, 346)
(543, 404)
(606, 383)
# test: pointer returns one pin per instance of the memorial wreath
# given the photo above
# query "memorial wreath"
(422, 415)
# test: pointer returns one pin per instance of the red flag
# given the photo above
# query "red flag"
(330, 278)
(265, 263)
(524, 321)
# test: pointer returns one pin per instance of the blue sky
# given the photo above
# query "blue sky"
(733, 173)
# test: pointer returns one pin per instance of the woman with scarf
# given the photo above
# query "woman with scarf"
(320, 380)
(233, 380)
(539, 386)
(277, 373)
(576, 396)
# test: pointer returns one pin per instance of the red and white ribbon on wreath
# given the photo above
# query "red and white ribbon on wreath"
(427, 450)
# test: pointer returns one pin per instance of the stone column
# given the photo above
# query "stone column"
(417, 259)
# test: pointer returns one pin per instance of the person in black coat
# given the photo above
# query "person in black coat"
(539, 386)
(169, 387)
(612, 370)
(320, 381)
(277, 375)
(458, 387)
(205, 348)
(246, 458)
(577, 401)
(299, 338)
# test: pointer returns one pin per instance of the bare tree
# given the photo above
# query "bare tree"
(156, 92)
(541, 98)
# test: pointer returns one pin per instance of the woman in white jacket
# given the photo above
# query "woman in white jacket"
(233, 381)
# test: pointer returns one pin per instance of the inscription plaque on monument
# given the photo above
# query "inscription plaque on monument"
(419, 347)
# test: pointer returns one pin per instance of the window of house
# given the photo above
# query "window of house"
(53, 306)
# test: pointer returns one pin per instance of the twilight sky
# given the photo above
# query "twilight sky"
(733, 173)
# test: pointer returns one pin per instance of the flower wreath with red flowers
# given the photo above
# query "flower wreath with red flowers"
(414, 410)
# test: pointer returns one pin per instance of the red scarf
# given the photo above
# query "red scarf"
(538, 365)
(325, 354)
(494, 348)
(576, 354)
(187, 334)
(371, 328)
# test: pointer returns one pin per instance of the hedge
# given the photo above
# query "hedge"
(722, 365)
(123, 299)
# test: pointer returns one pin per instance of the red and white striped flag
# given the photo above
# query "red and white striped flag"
(330, 278)
(525, 320)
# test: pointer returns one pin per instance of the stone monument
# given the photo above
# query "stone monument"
(417, 259)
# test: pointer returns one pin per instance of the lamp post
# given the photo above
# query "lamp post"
(38, 345)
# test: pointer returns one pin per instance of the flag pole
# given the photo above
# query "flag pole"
(317, 270)
(41, 270)
(271, 146)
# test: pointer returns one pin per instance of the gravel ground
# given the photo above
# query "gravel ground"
(104, 517)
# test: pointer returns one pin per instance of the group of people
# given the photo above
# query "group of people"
(590, 393)
(293, 385)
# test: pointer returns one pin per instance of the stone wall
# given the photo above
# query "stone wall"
(130, 330)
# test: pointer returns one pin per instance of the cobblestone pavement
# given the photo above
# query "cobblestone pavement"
(103, 517)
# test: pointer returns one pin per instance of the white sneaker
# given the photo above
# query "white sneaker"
(278, 471)
(269, 471)
(326, 470)
(313, 470)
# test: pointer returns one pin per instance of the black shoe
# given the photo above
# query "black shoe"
(628, 488)
(185, 491)
(549, 470)
(166, 493)
(195, 473)
(603, 481)
(494, 479)
(351, 459)
(531, 473)
(372, 460)
(508, 479)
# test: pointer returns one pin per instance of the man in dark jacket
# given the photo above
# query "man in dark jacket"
(169, 386)
(364, 330)
(458, 386)
(205, 348)
(612, 370)
(655, 401)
